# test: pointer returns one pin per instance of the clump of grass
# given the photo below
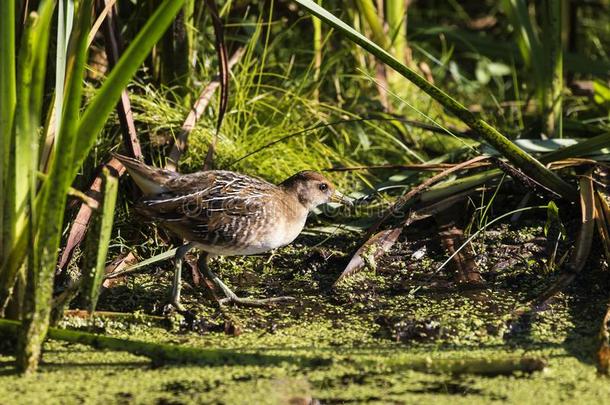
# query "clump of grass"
(270, 102)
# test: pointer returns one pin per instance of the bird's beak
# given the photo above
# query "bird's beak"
(340, 198)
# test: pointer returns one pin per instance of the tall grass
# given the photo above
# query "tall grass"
(271, 101)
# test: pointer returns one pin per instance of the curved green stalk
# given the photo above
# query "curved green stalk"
(513, 153)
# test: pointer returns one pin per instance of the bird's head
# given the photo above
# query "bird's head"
(312, 189)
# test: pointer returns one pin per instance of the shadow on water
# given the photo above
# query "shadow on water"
(587, 309)
(53, 366)
(586, 298)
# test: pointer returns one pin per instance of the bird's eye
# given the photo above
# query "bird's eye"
(323, 186)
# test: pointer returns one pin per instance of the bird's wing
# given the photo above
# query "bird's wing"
(210, 206)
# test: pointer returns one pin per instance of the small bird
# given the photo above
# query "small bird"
(224, 213)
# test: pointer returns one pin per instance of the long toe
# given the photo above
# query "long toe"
(179, 307)
(251, 302)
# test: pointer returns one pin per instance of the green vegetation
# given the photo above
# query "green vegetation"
(474, 136)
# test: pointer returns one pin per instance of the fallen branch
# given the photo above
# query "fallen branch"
(400, 202)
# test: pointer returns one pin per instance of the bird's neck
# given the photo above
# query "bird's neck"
(296, 210)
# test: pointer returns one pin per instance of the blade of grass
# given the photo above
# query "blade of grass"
(369, 13)
(20, 180)
(65, 20)
(21, 145)
(317, 52)
(8, 100)
(516, 155)
(136, 267)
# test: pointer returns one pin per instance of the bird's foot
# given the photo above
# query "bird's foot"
(232, 299)
(178, 306)
(252, 302)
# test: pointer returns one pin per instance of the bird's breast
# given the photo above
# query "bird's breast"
(272, 234)
(282, 232)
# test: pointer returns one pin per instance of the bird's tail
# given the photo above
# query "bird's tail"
(149, 179)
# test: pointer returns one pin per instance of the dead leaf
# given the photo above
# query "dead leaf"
(377, 245)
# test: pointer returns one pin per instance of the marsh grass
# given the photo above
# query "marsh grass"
(269, 102)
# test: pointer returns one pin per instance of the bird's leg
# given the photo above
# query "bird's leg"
(176, 287)
(230, 296)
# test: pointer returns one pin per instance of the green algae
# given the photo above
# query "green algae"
(363, 338)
